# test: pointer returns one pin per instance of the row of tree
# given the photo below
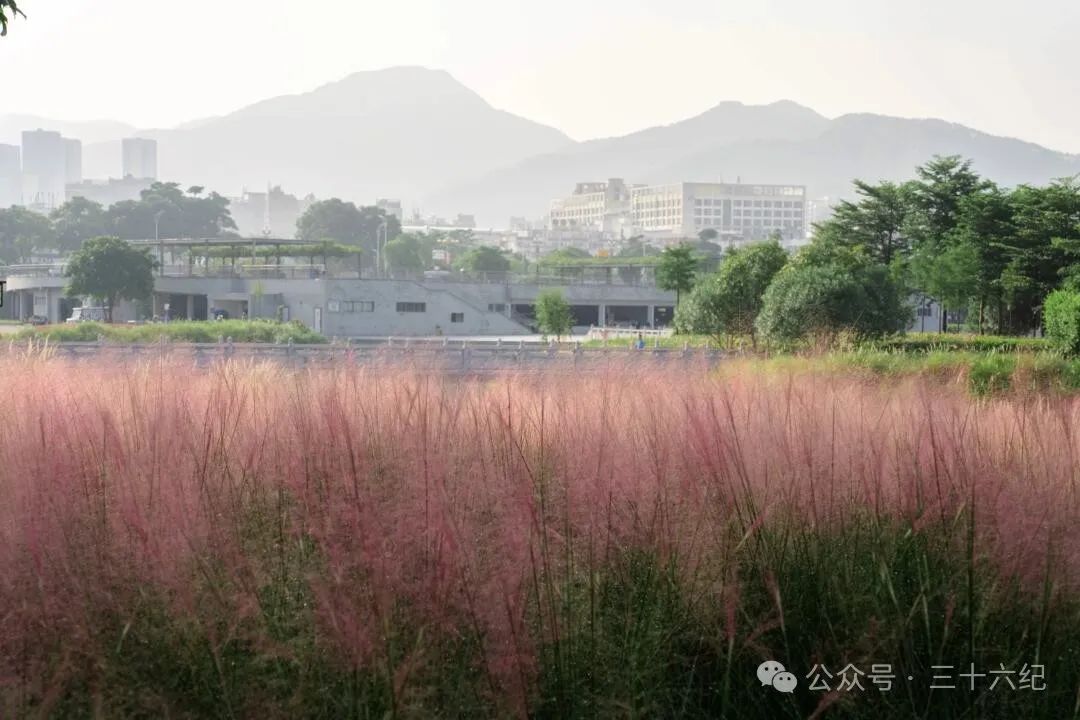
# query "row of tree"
(163, 210)
(989, 254)
(166, 210)
(958, 238)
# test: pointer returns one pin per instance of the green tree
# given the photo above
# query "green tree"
(344, 222)
(1062, 311)
(847, 292)
(966, 265)
(729, 301)
(8, 10)
(876, 221)
(76, 221)
(409, 253)
(484, 259)
(21, 231)
(937, 198)
(553, 313)
(332, 219)
(1043, 250)
(110, 268)
(165, 209)
(677, 270)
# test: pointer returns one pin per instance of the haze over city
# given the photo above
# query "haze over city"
(591, 69)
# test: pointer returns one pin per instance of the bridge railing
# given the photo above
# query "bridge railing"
(460, 357)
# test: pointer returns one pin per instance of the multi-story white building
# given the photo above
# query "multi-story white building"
(602, 207)
(72, 161)
(140, 158)
(749, 211)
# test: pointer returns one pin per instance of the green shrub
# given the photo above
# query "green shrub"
(254, 331)
(1061, 313)
(806, 299)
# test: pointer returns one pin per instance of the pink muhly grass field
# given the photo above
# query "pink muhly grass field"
(388, 498)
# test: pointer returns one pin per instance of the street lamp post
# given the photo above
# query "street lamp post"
(161, 245)
(379, 249)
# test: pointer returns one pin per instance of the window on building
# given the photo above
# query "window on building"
(497, 307)
(353, 306)
(333, 306)
(457, 317)
(411, 307)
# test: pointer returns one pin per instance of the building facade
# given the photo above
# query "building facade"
(276, 211)
(72, 161)
(44, 168)
(10, 176)
(139, 158)
(391, 207)
(602, 207)
(737, 212)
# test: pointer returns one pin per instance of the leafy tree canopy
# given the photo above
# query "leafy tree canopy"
(344, 222)
(8, 10)
(677, 269)
(729, 301)
(484, 259)
(76, 221)
(553, 313)
(110, 268)
(21, 231)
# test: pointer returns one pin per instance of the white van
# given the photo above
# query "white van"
(87, 314)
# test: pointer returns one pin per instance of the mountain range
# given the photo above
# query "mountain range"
(421, 136)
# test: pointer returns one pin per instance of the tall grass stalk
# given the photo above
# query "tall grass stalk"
(386, 542)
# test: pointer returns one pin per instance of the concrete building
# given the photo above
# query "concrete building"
(72, 161)
(341, 303)
(139, 158)
(391, 207)
(44, 167)
(10, 176)
(109, 192)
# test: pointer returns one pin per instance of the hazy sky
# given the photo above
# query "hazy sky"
(589, 67)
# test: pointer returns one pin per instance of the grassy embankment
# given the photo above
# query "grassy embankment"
(986, 365)
(376, 543)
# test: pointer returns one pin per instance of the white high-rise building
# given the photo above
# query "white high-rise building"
(72, 161)
(140, 158)
(44, 167)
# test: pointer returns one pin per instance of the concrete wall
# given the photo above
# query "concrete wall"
(313, 303)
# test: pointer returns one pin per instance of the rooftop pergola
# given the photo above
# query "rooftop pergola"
(234, 248)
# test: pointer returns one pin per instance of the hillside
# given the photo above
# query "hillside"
(778, 143)
(391, 133)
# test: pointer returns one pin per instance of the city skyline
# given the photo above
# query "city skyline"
(573, 68)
